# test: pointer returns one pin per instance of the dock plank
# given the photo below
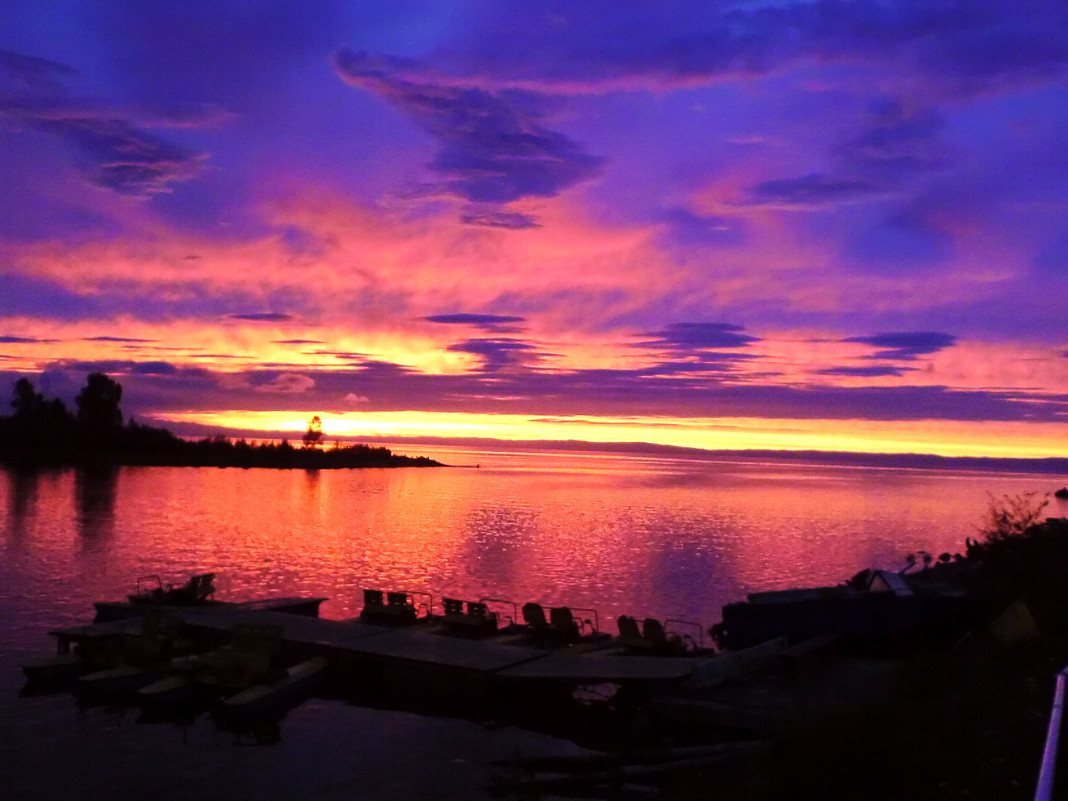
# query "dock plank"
(485, 656)
(595, 667)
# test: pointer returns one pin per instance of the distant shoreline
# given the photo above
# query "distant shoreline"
(42, 433)
(919, 461)
(293, 459)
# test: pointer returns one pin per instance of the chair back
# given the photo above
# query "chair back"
(452, 606)
(534, 616)
(628, 628)
(653, 630)
(561, 619)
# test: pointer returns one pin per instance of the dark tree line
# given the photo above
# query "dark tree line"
(44, 432)
(45, 429)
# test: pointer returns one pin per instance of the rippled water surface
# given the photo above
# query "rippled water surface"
(618, 534)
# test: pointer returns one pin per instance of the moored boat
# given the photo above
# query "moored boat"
(120, 680)
(168, 691)
(292, 685)
(873, 604)
(58, 668)
(197, 593)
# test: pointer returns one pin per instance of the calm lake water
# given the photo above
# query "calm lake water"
(619, 534)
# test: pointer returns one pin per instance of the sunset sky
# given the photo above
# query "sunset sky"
(825, 224)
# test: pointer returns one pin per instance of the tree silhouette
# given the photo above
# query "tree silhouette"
(313, 437)
(98, 403)
(42, 432)
(25, 401)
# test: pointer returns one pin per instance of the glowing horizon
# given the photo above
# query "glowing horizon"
(976, 440)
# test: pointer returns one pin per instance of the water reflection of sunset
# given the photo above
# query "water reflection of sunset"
(634, 535)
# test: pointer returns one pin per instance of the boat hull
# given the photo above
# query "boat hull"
(298, 682)
(57, 668)
(109, 611)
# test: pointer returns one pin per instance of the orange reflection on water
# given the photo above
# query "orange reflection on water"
(619, 534)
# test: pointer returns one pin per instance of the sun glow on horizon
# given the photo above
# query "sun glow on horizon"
(935, 437)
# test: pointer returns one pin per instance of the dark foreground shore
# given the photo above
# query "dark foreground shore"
(963, 715)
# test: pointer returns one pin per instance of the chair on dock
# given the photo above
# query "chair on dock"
(560, 628)
(564, 624)
(662, 642)
(473, 619)
(652, 638)
(534, 616)
(389, 608)
(630, 636)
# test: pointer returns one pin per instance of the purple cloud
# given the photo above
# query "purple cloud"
(498, 354)
(896, 146)
(964, 48)
(117, 339)
(494, 323)
(686, 227)
(698, 336)
(898, 141)
(865, 372)
(814, 190)
(492, 151)
(14, 340)
(500, 219)
(906, 345)
(114, 153)
(263, 317)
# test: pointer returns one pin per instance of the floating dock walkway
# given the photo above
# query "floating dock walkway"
(422, 649)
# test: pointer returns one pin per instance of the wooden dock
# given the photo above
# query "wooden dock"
(424, 649)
